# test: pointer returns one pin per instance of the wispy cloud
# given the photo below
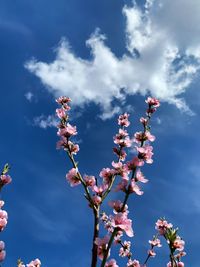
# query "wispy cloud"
(46, 228)
(163, 55)
(29, 96)
(45, 121)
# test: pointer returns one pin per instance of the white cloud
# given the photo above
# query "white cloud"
(163, 59)
(45, 121)
(29, 96)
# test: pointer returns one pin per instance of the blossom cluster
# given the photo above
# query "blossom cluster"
(130, 177)
(175, 242)
(34, 263)
(4, 180)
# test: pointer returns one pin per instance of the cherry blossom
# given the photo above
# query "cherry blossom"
(72, 177)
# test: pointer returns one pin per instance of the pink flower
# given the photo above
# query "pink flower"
(89, 180)
(99, 189)
(72, 177)
(3, 219)
(2, 245)
(123, 120)
(155, 242)
(63, 100)
(102, 244)
(151, 253)
(134, 188)
(152, 102)
(179, 244)
(135, 162)
(121, 186)
(2, 255)
(123, 142)
(5, 179)
(162, 226)
(96, 199)
(111, 263)
(179, 264)
(125, 249)
(145, 153)
(67, 131)
(121, 221)
(1, 203)
(139, 177)
(61, 113)
(133, 263)
(35, 263)
(121, 169)
(73, 148)
(144, 121)
(107, 174)
(141, 137)
(117, 206)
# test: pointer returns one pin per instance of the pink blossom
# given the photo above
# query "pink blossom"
(179, 244)
(179, 264)
(162, 226)
(63, 100)
(72, 177)
(121, 186)
(96, 199)
(102, 244)
(141, 137)
(61, 113)
(145, 153)
(2, 245)
(144, 121)
(73, 148)
(139, 177)
(125, 249)
(62, 143)
(117, 206)
(35, 263)
(153, 102)
(67, 131)
(155, 242)
(107, 174)
(121, 221)
(99, 189)
(2, 255)
(123, 120)
(3, 219)
(1, 203)
(122, 141)
(133, 263)
(180, 254)
(135, 162)
(104, 217)
(134, 188)
(111, 263)
(5, 179)
(89, 180)
(151, 253)
(121, 169)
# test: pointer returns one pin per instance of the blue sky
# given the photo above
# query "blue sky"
(108, 56)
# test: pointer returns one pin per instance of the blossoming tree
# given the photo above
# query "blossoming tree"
(130, 176)
(124, 175)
